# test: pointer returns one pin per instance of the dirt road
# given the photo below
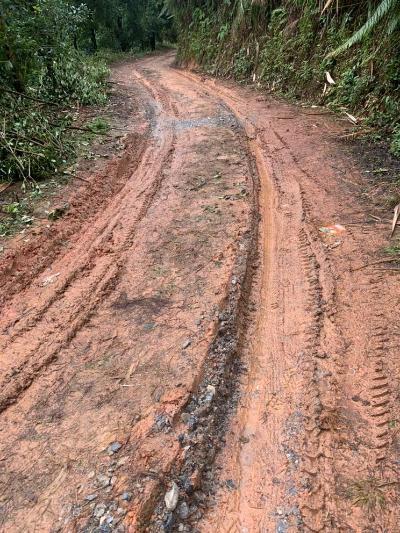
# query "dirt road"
(197, 325)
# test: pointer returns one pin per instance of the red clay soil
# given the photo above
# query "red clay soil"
(190, 304)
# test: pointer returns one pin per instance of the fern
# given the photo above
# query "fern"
(381, 11)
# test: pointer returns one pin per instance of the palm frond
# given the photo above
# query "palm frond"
(383, 9)
(393, 23)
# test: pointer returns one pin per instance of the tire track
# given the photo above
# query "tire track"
(104, 271)
(325, 342)
(167, 260)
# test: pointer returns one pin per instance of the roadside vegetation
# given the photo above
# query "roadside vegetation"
(53, 59)
(342, 54)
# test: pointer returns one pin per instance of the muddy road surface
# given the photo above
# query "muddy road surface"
(206, 340)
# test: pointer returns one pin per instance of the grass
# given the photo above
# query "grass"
(391, 200)
(98, 125)
(160, 271)
(368, 493)
(111, 56)
(214, 209)
(394, 249)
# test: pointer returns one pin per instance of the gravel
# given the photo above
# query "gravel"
(99, 510)
(171, 497)
(183, 510)
(114, 447)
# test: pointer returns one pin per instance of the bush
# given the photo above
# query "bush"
(33, 140)
(77, 78)
(39, 64)
(395, 144)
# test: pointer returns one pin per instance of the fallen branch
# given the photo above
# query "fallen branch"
(28, 139)
(4, 186)
(396, 216)
(39, 100)
(91, 131)
(364, 131)
(322, 113)
(79, 178)
(9, 147)
(88, 130)
(387, 260)
(76, 128)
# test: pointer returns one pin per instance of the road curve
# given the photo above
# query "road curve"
(197, 334)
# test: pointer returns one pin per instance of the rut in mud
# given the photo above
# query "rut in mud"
(196, 307)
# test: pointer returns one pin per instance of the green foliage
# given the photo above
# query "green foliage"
(33, 143)
(242, 64)
(127, 24)
(76, 78)
(110, 56)
(223, 32)
(387, 8)
(34, 38)
(39, 63)
(98, 125)
(51, 59)
(395, 144)
(15, 216)
(393, 250)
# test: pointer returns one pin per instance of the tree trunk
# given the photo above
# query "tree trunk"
(93, 38)
(120, 35)
(153, 40)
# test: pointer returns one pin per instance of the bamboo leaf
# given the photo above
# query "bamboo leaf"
(383, 9)
(329, 78)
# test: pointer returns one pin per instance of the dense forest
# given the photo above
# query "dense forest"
(53, 57)
(345, 54)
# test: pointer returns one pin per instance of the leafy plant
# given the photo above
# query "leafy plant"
(395, 144)
(242, 64)
(33, 141)
(50, 61)
(18, 215)
(393, 250)
(387, 8)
